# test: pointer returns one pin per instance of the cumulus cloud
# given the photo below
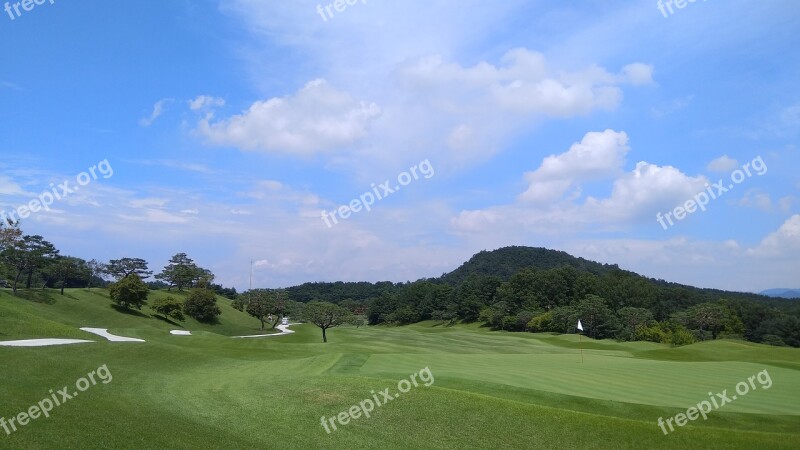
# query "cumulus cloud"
(318, 118)
(598, 155)
(723, 164)
(636, 196)
(782, 243)
(521, 84)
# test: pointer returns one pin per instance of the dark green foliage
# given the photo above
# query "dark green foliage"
(129, 292)
(201, 304)
(327, 315)
(168, 307)
(507, 261)
(121, 268)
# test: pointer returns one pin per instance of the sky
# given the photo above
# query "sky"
(393, 140)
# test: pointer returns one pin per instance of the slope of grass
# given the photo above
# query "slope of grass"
(94, 308)
(491, 390)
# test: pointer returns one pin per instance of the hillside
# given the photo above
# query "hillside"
(505, 262)
(46, 314)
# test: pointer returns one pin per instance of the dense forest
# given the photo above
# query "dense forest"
(541, 290)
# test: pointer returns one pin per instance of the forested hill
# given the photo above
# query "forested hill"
(507, 261)
(540, 290)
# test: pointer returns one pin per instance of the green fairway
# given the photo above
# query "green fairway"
(490, 389)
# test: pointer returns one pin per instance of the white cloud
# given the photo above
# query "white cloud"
(754, 198)
(205, 102)
(10, 187)
(158, 109)
(318, 119)
(636, 196)
(521, 84)
(672, 106)
(723, 164)
(784, 243)
(598, 155)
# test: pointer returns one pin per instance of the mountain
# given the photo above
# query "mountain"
(505, 262)
(782, 293)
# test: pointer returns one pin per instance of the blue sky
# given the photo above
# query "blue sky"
(231, 125)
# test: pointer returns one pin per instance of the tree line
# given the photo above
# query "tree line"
(539, 290)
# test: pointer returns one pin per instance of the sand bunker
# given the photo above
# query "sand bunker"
(42, 342)
(104, 333)
(181, 332)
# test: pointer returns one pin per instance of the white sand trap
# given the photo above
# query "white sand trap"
(41, 342)
(104, 333)
(284, 331)
(181, 332)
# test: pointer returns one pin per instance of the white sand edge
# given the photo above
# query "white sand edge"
(42, 342)
(103, 332)
(180, 332)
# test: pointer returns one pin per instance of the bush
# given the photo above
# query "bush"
(202, 305)
(682, 336)
(168, 307)
(771, 339)
(522, 319)
(129, 292)
(652, 334)
(540, 323)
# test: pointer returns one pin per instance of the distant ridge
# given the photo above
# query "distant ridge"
(782, 293)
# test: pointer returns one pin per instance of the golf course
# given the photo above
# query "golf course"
(485, 389)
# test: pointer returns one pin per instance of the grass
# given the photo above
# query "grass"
(491, 390)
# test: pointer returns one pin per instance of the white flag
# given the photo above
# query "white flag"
(580, 327)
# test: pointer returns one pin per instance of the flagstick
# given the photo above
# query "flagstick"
(580, 345)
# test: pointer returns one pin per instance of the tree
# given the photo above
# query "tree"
(260, 305)
(9, 234)
(327, 315)
(69, 267)
(26, 254)
(706, 320)
(129, 292)
(95, 269)
(125, 267)
(598, 320)
(168, 307)
(631, 320)
(202, 305)
(182, 272)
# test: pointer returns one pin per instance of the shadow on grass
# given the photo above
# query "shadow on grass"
(130, 312)
(165, 319)
(36, 295)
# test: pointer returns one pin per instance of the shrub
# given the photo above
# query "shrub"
(129, 292)
(202, 305)
(168, 307)
(542, 322)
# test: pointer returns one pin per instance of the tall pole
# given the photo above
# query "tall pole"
(580, 345)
